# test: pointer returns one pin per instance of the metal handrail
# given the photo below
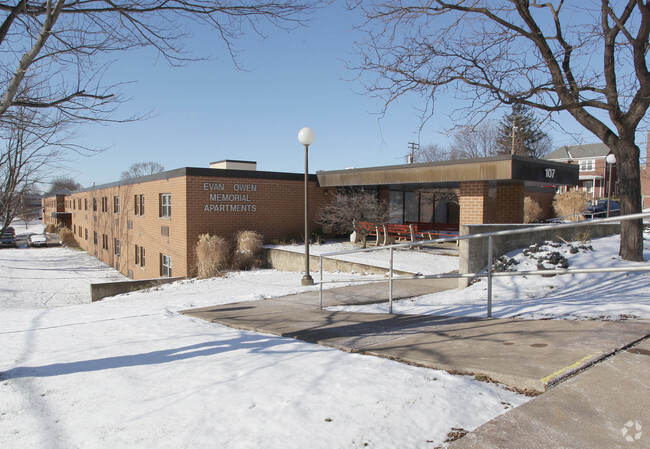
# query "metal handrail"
(488, 271)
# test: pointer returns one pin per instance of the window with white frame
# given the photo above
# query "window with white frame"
(116, 245)
(588, 165)
(165, 265)
(116, 204)
(165, 205)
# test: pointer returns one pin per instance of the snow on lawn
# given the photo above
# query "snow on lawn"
(579, 296)
(426, 261)
(131, 372)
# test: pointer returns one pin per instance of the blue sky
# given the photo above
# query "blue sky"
(209, 110)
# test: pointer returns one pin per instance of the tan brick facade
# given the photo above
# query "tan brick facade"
(474, 202)
(213, 201)
(510, 203)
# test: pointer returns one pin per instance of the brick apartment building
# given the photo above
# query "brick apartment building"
(148, 227)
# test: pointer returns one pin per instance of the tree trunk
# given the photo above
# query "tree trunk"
(628, 174)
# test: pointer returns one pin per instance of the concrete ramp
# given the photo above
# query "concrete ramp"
(528, 355)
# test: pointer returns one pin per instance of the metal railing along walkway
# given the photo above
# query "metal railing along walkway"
(487, 272)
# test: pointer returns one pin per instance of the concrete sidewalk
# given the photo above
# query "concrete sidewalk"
(527, 355)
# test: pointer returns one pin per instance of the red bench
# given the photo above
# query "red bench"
(407, 232)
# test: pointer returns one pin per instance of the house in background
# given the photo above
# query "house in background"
(595, 175)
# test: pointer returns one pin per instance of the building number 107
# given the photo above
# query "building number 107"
(550, 172)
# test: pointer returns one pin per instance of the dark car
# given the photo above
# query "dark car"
(8, 237)
(598, 209)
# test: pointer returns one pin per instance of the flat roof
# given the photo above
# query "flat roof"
(200, 171)
(449, 174)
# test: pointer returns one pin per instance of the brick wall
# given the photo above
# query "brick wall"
(199, 205)
(510, 203)
(473, 201)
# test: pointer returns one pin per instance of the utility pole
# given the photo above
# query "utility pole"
(412, 146)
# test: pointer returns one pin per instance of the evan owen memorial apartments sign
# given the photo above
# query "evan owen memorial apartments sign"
(222, 201)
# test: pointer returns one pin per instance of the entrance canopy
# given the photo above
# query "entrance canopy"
(450, 174)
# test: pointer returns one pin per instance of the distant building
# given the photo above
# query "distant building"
(595, 175)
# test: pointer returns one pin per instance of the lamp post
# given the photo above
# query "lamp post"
(306, 137)
(610, 160)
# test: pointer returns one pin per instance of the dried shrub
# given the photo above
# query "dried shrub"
(532, 210)
(51, 228)
(67, 237)
(213, 255)
(249, 250)
(570, 205)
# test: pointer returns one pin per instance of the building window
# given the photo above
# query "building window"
(166, 205)
(104, 241)
(588, 186)
(86, 233)
(79, 200)
(139, 256)
(116, 204)
(588, 165)
(94, 204)
(85, 203)
(116, 246)
(165, 266)
(104, 204)
(95, 237)
(138, 201)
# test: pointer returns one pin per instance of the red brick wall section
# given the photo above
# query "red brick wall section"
(510, 203)
(473, 202)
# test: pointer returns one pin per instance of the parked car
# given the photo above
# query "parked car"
(37, 240)
(8, 238)
(598, 209)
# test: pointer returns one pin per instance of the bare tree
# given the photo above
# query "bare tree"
(61, 44)
(55, 54)
(477, 141)
(350, 208)
(431, 153)
(142, 169)
(588, 60)
(64, 182)
(30, 142)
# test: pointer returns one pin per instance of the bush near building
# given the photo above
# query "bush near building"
(532, 211)
(213, 255)
(570, 205)
(249, 250)
(67, 237)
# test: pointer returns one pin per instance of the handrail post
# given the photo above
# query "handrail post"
(320, 283)
(489, 277)
(390, 283)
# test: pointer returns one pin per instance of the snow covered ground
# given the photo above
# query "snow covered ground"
(579, 296)
(131, 372)
(427, 261)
